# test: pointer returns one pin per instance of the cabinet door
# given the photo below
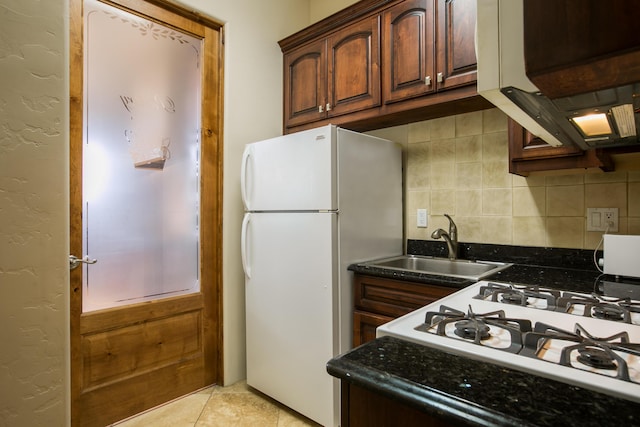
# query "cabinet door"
(408, 51)
(305, 84)
(364, 326)
(456, 61)
(354, 68)
(528, 153)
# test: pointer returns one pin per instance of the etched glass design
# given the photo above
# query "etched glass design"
(141, 159)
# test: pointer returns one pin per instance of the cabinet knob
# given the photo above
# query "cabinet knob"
(439, 78)
(328, 107)
(427, 80)
(320, 109)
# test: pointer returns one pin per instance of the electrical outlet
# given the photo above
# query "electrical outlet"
(602, 219)
(422, 218)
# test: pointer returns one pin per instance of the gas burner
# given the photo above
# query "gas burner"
(526, 296)
(617, 310)
(596, 358)
(490, 329)
(471, 328)
(545, 342)
(608, 312)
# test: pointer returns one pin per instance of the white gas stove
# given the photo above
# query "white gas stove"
(586, 340)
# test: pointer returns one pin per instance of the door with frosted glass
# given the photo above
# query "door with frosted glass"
(144, 315)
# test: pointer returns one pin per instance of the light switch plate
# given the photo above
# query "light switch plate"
(602, 219)
(422, 218)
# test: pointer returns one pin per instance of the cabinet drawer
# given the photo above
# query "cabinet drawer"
(394, 298)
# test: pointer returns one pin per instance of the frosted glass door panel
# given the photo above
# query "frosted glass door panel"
(140, 170)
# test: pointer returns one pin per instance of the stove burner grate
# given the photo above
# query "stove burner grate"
(476, 327)
(592, 351)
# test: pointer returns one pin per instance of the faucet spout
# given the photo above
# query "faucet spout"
(451, 238)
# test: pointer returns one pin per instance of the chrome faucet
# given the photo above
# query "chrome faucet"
(451, 238)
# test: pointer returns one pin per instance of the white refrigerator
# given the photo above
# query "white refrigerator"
(315, 201)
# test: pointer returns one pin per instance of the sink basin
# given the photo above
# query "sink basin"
(473, 270)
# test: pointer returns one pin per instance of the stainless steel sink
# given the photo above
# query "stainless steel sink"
(473, 270)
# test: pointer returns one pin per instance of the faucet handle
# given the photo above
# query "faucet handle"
(453, 230)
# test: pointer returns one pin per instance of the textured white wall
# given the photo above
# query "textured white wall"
(34, 375)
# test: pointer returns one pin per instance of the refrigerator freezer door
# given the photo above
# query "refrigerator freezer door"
(291, 173)
(290, 320)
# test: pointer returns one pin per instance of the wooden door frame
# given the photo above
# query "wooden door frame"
(211, 179)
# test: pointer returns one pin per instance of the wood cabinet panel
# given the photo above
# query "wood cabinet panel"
(379, 300)
(305, 83)
(408, 50)
(456, 43)
(363, 407)
(527, 154)
(365, 324)
(354, 68)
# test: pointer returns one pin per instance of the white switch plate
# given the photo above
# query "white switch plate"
(599, 218)
(422, 218)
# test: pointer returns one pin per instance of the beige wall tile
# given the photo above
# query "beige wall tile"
(634, 176)
(564, 180)
(497, 201)
(634, 199)
(417, 199)
(529, 201)
(606, 196)
(497, 230)
(496, 175)
(528, 181)
(590, 178)
(443, 150)
(529, 231)
(566, 200)
(633, 225)
(469, 202)
(469, 124)
(565, 232)
(418, 170)
(470, 229)
(469, 149)
(468, 175)
(443, 128)
(495, 147)
(493, 120)
(419, 132)
(443, 175)
(443, 202)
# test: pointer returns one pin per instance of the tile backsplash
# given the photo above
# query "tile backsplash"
(460, 165)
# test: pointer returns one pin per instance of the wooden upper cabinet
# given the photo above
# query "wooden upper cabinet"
(456, 43)
(382, 63)
(408, 50)
(333, 76)
(354, 68)
(528, 153)
(305, 83)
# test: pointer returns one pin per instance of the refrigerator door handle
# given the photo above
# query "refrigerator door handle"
(243, 175)
(243, 245)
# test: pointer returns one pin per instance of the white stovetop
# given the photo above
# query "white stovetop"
(403, 327)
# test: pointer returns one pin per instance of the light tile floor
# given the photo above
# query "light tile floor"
(237, 405)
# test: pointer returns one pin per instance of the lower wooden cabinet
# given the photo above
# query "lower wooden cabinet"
(362, 407)
(378, 300)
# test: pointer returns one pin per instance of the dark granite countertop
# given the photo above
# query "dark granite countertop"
(471, 392)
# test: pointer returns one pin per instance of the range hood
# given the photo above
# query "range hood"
(606, 117)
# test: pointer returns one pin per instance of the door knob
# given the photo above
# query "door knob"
(74, 261)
